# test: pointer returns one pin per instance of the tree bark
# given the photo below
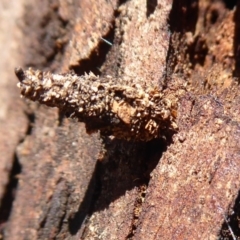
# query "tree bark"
(58, 182)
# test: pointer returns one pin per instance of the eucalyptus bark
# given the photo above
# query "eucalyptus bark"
(173, 71)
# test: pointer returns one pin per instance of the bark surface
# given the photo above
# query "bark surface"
(58, 182)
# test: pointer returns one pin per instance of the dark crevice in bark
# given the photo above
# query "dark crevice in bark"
(108, 184)
(10, 194)
(61, 116)
(152, 154)
(121, 2)
(31, 119)
(97, 57)
(198, 48)
(11, 187)
(53, 220)
(151, 6)
(237, 41)
(86, 206)
(182, 18)
(230, 4)
(233, 223)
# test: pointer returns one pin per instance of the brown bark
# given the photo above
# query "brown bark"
(71, 185)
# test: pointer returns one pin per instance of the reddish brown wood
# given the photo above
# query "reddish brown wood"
(76, 186)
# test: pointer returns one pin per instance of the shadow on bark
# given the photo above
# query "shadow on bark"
(114, 176)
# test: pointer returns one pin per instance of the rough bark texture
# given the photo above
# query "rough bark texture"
(58, 182)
